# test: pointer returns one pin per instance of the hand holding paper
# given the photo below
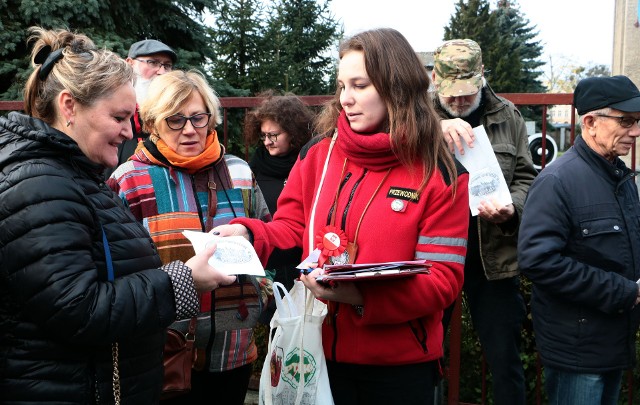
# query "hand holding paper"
(492, 211)
(458, 133)
(486, 181)
(310, 263)
(206, 278)
(234, 254)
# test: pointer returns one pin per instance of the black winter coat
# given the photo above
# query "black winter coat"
(59, 315)
(579, 244)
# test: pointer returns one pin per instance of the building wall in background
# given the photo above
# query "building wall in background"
(626, 40)
(626, 50)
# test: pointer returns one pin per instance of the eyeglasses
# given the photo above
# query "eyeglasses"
(624, 120)
(156, 64)
(272, 137)
(178, 121)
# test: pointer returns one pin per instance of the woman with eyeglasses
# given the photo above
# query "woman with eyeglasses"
(279, 126)
(181, 179)
(84, 301)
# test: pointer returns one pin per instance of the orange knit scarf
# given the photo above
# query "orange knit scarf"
(209, 155)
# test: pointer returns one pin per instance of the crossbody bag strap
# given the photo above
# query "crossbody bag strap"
(114, 346)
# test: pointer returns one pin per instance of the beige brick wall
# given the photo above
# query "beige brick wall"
(626, 49)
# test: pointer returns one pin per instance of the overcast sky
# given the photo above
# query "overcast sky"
(571, 31)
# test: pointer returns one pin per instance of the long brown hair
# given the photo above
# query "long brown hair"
(403, 83)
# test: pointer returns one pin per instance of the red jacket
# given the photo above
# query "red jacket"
(401, 323)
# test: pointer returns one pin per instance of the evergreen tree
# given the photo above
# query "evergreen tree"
(282, 45)
(114, 24)
(299, 35)
(258, 46)
(513, 24)
(510, 52)
(473, 19)
(238, 42)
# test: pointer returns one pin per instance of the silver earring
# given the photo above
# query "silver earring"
(68, 122)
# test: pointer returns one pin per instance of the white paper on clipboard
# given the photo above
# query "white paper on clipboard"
(486, 180)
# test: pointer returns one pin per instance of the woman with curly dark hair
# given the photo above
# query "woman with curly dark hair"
(281, 126)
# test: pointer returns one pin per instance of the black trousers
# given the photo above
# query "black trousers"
(354, 384)
(228, 387)
(497, 310)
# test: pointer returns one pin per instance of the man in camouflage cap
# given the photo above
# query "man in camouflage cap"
(491, 276)
(458, 68)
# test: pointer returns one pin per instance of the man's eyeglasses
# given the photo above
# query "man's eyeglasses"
(273, 137)
(623, 120)
(156, 64)
(178, 121)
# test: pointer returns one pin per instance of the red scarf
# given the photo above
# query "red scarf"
(371, 151)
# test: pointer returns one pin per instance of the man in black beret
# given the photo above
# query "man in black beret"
(579, 244)
(149, 59)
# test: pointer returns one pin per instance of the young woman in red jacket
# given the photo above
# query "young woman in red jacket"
(381, 182)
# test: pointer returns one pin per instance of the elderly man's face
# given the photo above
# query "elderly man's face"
(150, 66)
(460, 107)
(607, 135)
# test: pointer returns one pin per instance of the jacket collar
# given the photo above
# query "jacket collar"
(25, 137)
(496, 110)
(616, 171)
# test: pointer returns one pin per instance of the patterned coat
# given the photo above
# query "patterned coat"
(168, 200)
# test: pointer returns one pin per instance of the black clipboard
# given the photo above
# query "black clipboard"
(373, 271)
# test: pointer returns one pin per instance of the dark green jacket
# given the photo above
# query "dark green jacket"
(508, 136)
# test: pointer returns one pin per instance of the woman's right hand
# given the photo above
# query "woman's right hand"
(205, 277)
(231, 230)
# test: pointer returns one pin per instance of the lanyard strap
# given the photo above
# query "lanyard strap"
(315, 202)
(107, 255)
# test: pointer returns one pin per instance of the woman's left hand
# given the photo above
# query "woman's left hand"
(346, 292)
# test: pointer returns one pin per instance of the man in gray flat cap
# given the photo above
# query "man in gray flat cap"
(579, 245)
(149, 59)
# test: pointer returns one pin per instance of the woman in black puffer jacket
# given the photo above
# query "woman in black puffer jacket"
(60, 315)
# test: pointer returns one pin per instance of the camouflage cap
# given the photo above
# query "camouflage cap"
(458, 68)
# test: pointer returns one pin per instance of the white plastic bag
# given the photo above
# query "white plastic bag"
(298, 335)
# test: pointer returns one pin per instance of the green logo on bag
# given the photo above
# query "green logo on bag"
(291, 372)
